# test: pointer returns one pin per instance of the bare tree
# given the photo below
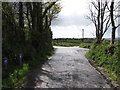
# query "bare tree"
(113, 18)
(100, 17)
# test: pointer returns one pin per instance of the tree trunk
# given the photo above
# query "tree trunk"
(98, 26)
(46, 22)
(29, 24)
(34, 16)
(39, 17)
(113, 35)
(113, 23)
(20, 32)
(21, 17)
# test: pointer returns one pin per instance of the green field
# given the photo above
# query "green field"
(84, 43)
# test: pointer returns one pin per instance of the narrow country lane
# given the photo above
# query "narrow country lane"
(67, 68)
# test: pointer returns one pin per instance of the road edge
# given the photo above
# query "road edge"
(105, 76)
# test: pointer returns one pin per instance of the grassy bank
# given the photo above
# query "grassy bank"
(99, 54)
(15, 75)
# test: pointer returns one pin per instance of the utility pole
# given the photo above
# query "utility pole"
(82, 35)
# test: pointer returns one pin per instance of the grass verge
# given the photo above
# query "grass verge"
(16, 75)
(110, 63)
(85, 45)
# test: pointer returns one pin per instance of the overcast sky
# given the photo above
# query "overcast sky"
(72, 19)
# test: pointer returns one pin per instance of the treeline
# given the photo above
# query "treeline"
(26, 32)
(26, 28)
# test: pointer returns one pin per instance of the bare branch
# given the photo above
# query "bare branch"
(106, 18)
(93, 3)
(107, 26)
(117, 26)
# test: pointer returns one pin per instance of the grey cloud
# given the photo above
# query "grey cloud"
(77, 20)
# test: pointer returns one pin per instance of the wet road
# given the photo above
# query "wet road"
(67, 68)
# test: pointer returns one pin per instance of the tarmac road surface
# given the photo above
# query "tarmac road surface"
(67, 68)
